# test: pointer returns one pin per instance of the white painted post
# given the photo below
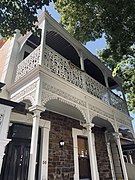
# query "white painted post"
(111, 160)
(107, 85)
(117, 137)
(5, 112)
(93, 138)
(91, 151)
(43, 40)
(110, 156)
(75, 133)
(34, 140)
(82, 61)
(130, 158)
(43, 173)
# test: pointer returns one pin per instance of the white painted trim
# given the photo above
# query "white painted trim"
(4, 122)
(25, 119)
(43, 165)
(95, 157)
(44, 145)
(110, 159)
(33, 146)
(75, 133)
(122, 158)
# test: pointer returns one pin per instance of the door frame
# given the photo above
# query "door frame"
(83, 133)
(44, 143)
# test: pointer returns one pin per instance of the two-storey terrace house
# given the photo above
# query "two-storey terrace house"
(73, 120)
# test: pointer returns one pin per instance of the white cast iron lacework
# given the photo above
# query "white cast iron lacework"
(117, 102)
(29, 63)
(62, 67)
(96, 89)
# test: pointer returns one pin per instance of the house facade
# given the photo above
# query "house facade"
(73, 121)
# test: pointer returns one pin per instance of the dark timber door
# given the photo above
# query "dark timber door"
(83, 157)
(17, 154)
(16, 161)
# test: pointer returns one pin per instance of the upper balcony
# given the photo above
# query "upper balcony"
(59, 53)
(54, 62)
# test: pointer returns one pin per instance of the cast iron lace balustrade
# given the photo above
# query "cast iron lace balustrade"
(96, 89)
(117, 102)
(57, 64)
(29, 63)
(62, 67)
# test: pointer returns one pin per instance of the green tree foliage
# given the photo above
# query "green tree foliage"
(19, 14)
(88, 20)
(126, 70)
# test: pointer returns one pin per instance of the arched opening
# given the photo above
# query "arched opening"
(104, 124)
(92, 70)
(63, 117)
(30, 45)
(62, 108)
(63, 47)
(115, 88)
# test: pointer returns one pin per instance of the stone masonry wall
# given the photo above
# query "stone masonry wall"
(61, 160)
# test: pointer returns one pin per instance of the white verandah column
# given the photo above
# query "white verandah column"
(43, 168)
(93, 165)
(82, 61)
(43, 42)
(34, 139)
(117, 138)
(108, 144)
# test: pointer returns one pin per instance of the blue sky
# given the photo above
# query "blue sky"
(92, 46)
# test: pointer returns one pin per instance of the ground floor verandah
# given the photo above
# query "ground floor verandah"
(72, 161)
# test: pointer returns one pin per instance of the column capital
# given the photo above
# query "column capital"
(116, 135)
(37, 108)
(88, 126)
